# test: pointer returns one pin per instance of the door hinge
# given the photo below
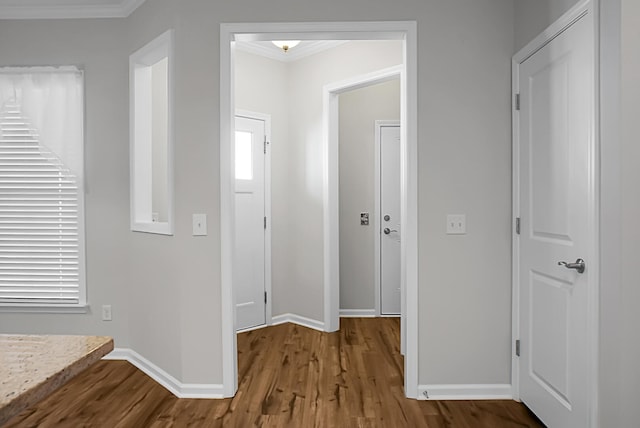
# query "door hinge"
(265, 222)
(517, 225)
(265, 297)
(518, 348)
(517, 102)
(265, 144)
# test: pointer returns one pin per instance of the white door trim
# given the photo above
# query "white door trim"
(589, 10)
(383, 30)
(377, 224)
(330, 114)
(266, 118)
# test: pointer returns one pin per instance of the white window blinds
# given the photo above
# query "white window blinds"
(41, 239)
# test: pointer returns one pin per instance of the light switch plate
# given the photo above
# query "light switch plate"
(199, 225)
(456, 224)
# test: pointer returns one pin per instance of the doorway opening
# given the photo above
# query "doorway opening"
(386, 234)
(404, 31)
(370, 235)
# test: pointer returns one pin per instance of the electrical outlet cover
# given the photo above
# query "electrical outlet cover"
(456, 224)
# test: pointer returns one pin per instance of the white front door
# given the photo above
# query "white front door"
(554, 139)
(391, 230)
(249, 257)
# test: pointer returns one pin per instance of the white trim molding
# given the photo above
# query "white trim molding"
(173, 385)
(361, 30)
(52, 10)
(465, 392)
(141, 141)
(358, 313)
(299, 320)
(331, 194)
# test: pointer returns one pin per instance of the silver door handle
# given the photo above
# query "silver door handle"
(578, 265)
(388, 231)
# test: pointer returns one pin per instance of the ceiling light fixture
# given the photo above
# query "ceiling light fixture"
(285, 45)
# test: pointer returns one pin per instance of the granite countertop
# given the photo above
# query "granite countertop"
(33, 366)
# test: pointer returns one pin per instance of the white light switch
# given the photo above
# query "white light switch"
(456, 224)
(199, 224)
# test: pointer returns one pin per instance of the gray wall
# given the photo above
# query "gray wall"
(619, 376)
(464, 158)
(262, 86)
(533, 16)
(630, 177)
(175, 280)
(100, 48)
(306, 80)
(170, 286)
(359, 109)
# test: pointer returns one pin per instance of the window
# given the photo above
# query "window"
(41, 187)
(150, 77)
(244, 156)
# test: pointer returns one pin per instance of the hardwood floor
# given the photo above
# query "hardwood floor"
(290, 376)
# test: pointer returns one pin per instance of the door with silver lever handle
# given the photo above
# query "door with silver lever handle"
(578, 265)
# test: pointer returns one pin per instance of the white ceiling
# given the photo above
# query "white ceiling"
(304, 49)
(43, 9)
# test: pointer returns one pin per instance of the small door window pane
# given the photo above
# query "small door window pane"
(244, 156)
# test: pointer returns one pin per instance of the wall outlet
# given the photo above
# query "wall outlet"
(456, 224)
(106, 312)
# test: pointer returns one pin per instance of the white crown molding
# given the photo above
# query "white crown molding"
(66, 11)
(303, 50)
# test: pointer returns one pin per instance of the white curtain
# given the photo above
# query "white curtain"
(51, 99)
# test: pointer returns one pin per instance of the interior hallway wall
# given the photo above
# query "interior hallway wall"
(261, 86)
(306, 80)
(533, 16)
(98, 46)
(265, 85)
(628, 351)
(358, 111)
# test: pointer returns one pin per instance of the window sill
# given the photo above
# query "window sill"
(44, 309)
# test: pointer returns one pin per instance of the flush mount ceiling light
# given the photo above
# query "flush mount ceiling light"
(285, 45)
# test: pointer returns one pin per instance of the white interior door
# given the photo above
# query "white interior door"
(391, 230)
(250, 223)
(555, 143)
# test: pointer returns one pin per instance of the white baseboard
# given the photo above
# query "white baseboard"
(358, 313)
(465, 392)
(177, 388)
(297, 319)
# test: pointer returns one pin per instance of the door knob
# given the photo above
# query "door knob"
(388, 231)
(578, 265)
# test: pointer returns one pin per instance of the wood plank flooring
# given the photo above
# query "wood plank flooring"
(289, 376)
